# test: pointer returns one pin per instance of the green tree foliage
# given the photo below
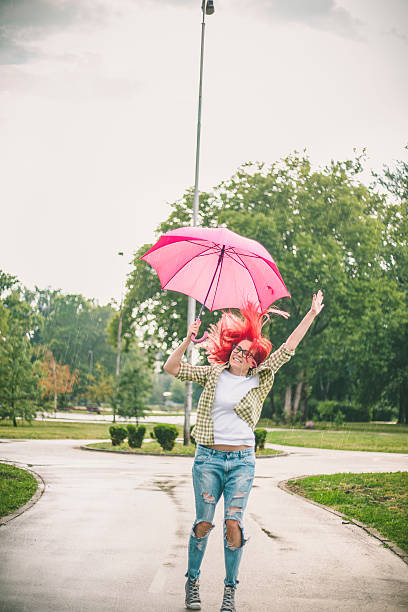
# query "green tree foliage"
(134, 385)
(391, 322)
(74, 328)
(177, 391)
(101, 385)
(161, 383)
(19, 395)
(325, 230)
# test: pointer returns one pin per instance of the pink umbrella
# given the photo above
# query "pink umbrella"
(216, 267)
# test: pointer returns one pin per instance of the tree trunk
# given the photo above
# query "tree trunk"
(298, 391)
(303, 403)
(403, 404)
(14, 421)
(288, 402)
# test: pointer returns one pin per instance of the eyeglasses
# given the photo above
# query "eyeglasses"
(244, 352)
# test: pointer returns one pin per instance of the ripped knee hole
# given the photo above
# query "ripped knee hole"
(210, 499)
(202, 528)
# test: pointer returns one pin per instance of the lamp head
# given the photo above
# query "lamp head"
(209, 7)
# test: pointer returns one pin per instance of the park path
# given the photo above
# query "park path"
(110, 533)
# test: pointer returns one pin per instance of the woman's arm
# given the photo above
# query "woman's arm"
(297, 335)
(172, 365)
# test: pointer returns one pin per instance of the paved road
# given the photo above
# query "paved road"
(75, 417)
(110, 534)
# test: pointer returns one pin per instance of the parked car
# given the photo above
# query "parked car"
(94, 408)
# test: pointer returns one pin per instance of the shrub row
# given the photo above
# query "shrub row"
(165, 435)
(337, 412)
(134, 434)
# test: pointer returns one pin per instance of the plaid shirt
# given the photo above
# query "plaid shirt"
(248, 408)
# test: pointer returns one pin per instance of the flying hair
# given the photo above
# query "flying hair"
(232, 328)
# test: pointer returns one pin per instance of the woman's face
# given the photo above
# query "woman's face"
(241, 360)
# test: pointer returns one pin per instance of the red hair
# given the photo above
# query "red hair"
(232, 329)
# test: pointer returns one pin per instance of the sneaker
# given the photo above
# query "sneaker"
(228, 604)
(193, 595)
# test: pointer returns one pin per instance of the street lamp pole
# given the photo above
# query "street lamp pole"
(118, 344)
(207, 9)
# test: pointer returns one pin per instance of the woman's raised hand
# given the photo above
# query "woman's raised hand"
(317, 303)
(193, 329)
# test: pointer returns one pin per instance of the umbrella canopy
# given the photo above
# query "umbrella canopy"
(216, 267)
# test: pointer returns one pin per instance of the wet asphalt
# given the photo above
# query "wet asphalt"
(110, 533)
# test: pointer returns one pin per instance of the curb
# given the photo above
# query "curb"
(124, 452)
(33, 500)
(370, 530)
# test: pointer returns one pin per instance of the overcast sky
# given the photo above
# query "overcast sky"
(98, 111)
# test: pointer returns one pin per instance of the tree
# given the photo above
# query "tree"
(72, 327)
(393, 333)
(102, 386)
(18, 373)
(134, 386)
(177, 391)
(161, 383)
(56, 378)
(325, 230)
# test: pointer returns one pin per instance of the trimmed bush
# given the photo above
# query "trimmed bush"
(117, 434)
(260, 437)
(166, 436)
(384, 412)
(352, 412)
(136, 435)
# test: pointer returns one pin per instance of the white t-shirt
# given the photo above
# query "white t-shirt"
(229, 428)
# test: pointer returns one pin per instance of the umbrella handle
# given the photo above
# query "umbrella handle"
(198, 340)
(205, 335)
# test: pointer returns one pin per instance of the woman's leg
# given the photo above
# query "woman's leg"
(207, 482)
(238, 485)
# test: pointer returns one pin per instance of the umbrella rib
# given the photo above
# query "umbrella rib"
(235, 260)
(247, 254)
(204, 253)
(215, 245)
(183, 266)
(249, 272)
(218, 280)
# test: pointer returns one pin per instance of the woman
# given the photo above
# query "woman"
(236, 384)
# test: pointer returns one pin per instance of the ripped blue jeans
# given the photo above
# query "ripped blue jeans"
(215, 473)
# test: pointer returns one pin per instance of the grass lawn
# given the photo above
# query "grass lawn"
(154, 447)
(324, 425)
(377, 500)
(47, 430)
(16, 487)
(342, 440)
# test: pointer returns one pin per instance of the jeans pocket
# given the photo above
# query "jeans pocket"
(201, 458)
(249, 460)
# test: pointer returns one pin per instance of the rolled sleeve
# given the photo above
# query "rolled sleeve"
(278, 358)
(197, 374)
